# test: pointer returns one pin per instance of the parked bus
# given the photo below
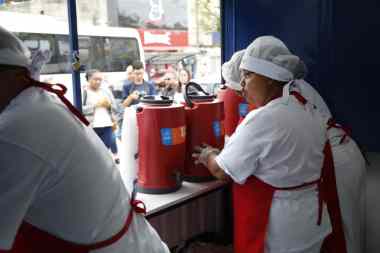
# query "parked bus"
(109, 49)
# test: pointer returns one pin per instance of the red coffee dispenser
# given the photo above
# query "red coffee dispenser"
(204, 122)
(161, 138)
(235, 108)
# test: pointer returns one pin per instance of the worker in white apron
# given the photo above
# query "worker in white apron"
(275, 160)
(235, 106)
(350, 169)
(60, 191)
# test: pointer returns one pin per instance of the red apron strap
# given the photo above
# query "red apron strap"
(299, 97)
(124, 230)
(60, 93)
(335, 242)
(332, 124)
(30, 239)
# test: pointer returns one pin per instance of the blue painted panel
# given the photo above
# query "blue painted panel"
(338, 41)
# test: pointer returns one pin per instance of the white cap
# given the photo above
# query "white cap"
(12, 50)
(269, 56)
(231, 71)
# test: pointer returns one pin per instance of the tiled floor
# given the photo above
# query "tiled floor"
(373, 205)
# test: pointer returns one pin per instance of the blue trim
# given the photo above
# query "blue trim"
(73, 39)
(228, 11)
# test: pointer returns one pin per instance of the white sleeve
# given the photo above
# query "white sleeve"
(21, 173)
(254, 138)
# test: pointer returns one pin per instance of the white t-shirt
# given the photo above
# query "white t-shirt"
(56, 174)
(102, 116)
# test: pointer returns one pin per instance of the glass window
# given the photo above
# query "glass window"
(54, 48)
(96, 59)
(121, 52)
(84, 49)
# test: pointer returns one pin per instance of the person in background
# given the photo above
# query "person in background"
(130, 75)
(235, 106)
(231, 72)
(98, 107)
(139, 87)
(274, 158)
(60, 190)
(117, 117)
(184, 78)
(168, 86)
(119, 98)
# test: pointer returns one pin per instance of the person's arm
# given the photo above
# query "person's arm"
(132, 97)
(87, 108)
(112, 103)
(128, 96)
(241, 156)
(206, 155)
(21, 176)
(215, 170)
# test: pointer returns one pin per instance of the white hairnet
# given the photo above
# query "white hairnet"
(231, 71)
(12, 50)
(269, 56)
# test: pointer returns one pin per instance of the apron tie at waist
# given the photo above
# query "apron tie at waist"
(332, 124)
(317, 182)
(60, 92)
(137, 208)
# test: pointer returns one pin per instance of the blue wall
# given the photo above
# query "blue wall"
(338, 40)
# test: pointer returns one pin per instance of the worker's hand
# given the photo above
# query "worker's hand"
(104, 102)
(202, 153)
(134, 95)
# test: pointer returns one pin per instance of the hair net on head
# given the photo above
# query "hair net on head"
(231, 71)
(269, 56)
(12, 50)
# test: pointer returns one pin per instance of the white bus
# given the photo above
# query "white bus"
(109, 49)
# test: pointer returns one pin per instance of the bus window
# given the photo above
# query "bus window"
(63, 54)
(121, 52)
(109, 49)
(84, 50)
(44, 43)
(97, 56)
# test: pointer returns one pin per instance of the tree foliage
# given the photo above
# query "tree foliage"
(209, 15)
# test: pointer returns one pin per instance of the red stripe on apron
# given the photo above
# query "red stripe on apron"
(31, 239)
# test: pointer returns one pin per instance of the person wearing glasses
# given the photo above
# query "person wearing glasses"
(139, 87)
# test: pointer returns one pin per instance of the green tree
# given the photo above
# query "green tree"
(209, 15)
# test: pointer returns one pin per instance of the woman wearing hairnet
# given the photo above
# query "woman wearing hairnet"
(349, 163)
(235, 106)
(59, 189)
(274, 158)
